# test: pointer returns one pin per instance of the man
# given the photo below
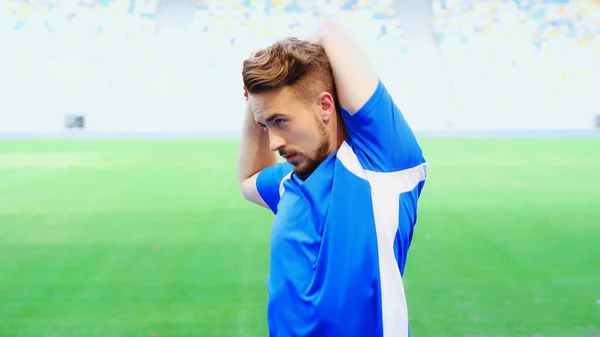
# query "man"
(345, 199)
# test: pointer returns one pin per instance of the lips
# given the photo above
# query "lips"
(290, 157)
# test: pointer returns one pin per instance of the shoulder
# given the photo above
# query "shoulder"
(286, 183)
(355, 161)
(348, 158)
(270, 181)
(379, 98)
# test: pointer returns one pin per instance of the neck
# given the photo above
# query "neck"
(341, 133)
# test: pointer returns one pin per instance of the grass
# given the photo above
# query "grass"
(141, 237)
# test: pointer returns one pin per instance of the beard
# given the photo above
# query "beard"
(311, 162)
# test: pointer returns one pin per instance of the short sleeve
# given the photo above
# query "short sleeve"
(381, 133)
(268, 183)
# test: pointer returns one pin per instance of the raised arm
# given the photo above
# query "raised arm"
(253, 156)
(259, 173)
(377, 129)
(354, 76)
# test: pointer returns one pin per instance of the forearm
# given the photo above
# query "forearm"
(254, 153)
(354, 76)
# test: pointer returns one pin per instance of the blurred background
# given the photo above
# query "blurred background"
(175, 65)
(103, 233)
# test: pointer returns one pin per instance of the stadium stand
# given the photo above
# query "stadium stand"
(513, 56)
(540, 56)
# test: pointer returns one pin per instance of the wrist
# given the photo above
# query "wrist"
(316, 37)
(324, 31)
(319, 33)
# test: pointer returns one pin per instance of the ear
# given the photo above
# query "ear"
(326, 106)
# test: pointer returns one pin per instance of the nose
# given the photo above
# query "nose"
(276, 142)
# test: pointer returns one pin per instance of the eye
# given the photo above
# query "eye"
(279, 121)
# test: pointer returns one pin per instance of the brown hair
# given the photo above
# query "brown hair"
(290, 62)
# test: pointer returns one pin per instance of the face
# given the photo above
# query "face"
(297, 130)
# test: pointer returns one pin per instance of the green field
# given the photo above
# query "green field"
(134, 238)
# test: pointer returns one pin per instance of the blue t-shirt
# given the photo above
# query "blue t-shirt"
(340, 238)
